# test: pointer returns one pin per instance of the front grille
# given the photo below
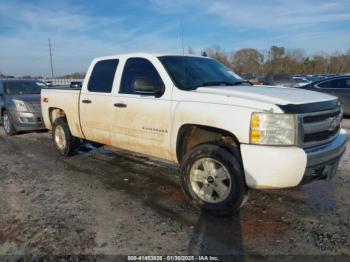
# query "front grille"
(319, 128)
(320, 136)
(318, 118)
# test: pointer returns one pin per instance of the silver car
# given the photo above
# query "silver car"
(20, 105)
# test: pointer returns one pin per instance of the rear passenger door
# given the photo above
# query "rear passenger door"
(96, 102)
(141, 120)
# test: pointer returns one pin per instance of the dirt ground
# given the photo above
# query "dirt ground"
(110, 202)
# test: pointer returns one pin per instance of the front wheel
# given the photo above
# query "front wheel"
(63, 140)
(213, 179)
(7, 124)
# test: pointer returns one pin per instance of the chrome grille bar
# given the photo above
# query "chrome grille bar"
(318, 128)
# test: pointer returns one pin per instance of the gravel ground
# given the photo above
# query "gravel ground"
(104, 201)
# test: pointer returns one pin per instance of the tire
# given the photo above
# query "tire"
(62, 138)
(7, 124)
(212, 179)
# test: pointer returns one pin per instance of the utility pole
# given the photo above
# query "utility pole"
(182, 38)
(50, 53)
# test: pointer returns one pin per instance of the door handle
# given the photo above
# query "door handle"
(86, 101)
(120, 105)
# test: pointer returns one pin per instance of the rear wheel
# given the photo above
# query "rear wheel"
(7, 124)
(63, 140)
(213, 179)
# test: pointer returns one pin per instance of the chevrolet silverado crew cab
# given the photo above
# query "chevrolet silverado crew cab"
(227, 135)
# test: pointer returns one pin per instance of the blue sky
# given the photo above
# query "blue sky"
(81, 30)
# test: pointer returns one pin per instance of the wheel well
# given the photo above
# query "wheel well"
(55, 113)
(191, 135)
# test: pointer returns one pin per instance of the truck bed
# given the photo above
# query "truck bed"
(62, 87)
(66, 99)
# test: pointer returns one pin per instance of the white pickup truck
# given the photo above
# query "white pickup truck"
(226, 134)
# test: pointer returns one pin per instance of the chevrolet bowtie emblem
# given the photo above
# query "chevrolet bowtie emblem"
(333, 124)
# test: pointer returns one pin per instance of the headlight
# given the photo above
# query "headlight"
(20, 105)
(273, 129)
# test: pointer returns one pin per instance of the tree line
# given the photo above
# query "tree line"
(279, 60)
(259, 63)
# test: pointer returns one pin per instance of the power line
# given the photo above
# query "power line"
(50, 53)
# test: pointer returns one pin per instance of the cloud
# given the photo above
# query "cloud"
(76, 39)
(262, 14)
(308, 24)
(79, 32)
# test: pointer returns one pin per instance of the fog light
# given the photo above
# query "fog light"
(27, 120)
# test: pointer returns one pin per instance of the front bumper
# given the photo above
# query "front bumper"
(27, 121)
(322, 162)
(282, 167)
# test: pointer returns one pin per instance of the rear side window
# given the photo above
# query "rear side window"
(338, 83)
(324, 84)
(102, 76)
(137, 68)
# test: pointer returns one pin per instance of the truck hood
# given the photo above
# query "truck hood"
(268, 94)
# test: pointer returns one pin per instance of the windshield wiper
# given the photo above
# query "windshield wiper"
(214, 83)
(242, 82)
(217, 83)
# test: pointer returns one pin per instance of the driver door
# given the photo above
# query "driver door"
(141, 120)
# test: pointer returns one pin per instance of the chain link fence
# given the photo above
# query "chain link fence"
(61, 81)
(54, 81)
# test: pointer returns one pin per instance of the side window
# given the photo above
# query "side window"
(339, 83)
(102, 76)
(348, 83)
(139, 70)
(324, 84)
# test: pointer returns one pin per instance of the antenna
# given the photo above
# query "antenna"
(182, 38)
(50, 53)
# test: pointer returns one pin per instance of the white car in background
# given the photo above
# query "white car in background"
(301, 81)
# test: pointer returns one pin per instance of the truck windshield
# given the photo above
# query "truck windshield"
(23, 87)
(189, 73)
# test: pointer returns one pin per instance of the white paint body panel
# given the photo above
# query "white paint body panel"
(66, 100)
(267, 94)
(273, 167)
(227, 108)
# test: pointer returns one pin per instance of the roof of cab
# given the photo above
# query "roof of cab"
(143, 54)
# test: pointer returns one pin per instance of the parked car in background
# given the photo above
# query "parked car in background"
(280, 80)
(338, 86)
(49, 83)
(76, 84)
(20, 105)
(301, 81)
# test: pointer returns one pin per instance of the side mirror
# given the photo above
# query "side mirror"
(147, 86)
